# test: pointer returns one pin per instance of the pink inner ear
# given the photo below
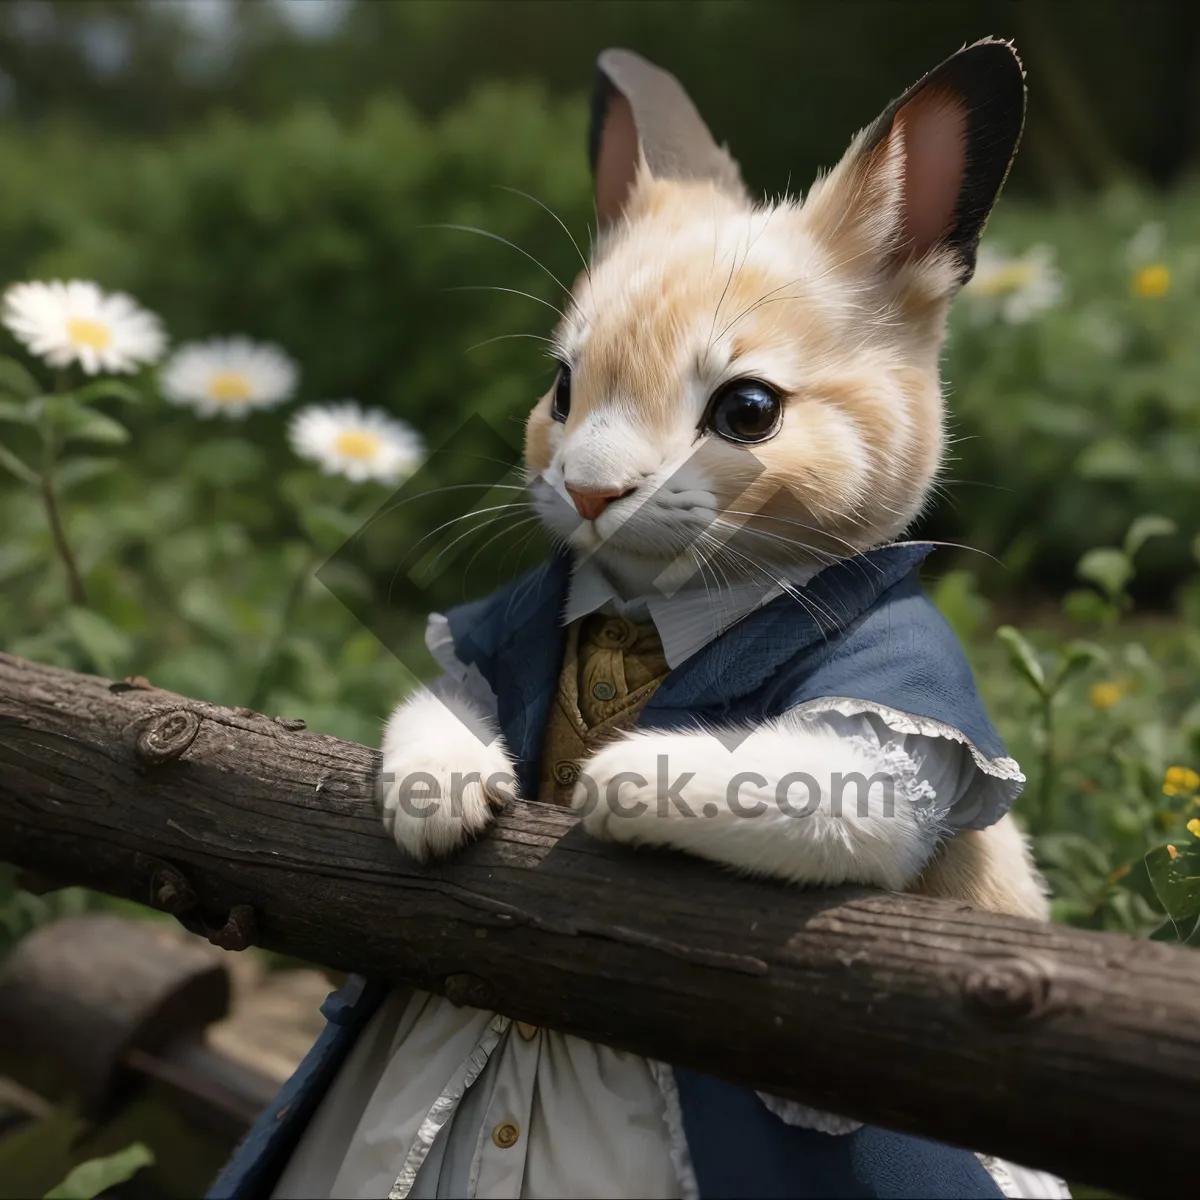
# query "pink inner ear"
(617, 161)
(934, 128)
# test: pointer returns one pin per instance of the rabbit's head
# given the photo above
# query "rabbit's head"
(756, 384)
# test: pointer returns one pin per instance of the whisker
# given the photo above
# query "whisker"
(808, 603)
(487, 287)
(855, 551)
(475, 512)
(391, 508)
(465, 534)
(561, 223)
(504, 241)
(505, 336)
(954, 545)
(492, 540)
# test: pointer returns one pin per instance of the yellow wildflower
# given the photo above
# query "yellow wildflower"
(1193, 827)
(1152, 281)
(1180, 781)
(1104, 695)
(1171, 851)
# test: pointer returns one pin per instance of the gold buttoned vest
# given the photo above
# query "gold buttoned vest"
(611, 668)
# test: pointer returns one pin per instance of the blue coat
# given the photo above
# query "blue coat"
(871, 636)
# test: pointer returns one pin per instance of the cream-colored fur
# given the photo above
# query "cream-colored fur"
(838, 303)
(697, 288)
(990, 869)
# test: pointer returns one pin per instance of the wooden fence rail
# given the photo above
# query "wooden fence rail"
(1078, 1052)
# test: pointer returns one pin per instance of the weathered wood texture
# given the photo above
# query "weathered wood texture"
(1073, 1051)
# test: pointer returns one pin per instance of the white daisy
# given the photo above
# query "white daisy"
(71, 322)
(346, 440)
(229, 376)
(1016, 287)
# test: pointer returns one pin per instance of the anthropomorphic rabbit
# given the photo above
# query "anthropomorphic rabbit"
(746, 418)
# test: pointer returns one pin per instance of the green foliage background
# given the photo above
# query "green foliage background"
(297, 190)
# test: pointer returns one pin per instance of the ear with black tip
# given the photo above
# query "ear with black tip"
(641, 114)
(925, 174)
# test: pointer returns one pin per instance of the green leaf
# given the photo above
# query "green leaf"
(91, 426)
(1113, 458)
(957, 597)
(1176, 881)
(74, 471)
(97, 1175)
(16, 380)
(74, 421)
(99, 639)
(109, 389)
(1023, 656)
(1145, 527)
(1085, 606)
(15, 412)
(1107, 567)
(33, 1155)
(1078, 656)
(328, 527)
(16, 466)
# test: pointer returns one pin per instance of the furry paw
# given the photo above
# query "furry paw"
(772, 805)
(445, 772)
(618, 787)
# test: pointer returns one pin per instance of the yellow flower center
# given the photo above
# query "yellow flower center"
(230, 387)
(1193, 827)
(89, 333)
(1010, 277)
(1104, 695)
(1152, 281)
(357, 443)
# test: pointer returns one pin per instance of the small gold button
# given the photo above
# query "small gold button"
(527, 1031)
(604, 690)
(618, 633)
(505, 1134)
(566, 771)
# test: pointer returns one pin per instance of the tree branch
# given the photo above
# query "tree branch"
(1074, 1051)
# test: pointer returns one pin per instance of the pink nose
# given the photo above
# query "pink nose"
(591, 502)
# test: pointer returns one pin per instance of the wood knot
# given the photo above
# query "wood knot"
(470, 990)
(239, 931)
(168, 735)
(170, 891)
(1008, 989)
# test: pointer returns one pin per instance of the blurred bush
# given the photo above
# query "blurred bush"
(315, 235)
(1087, 412)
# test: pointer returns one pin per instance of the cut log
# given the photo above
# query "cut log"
(81, 995)
(1074, 1051)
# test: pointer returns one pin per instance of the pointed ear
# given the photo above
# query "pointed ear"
(924, 175)
(642, 115)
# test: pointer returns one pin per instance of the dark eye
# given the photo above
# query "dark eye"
(560, 406)
(745, 411)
